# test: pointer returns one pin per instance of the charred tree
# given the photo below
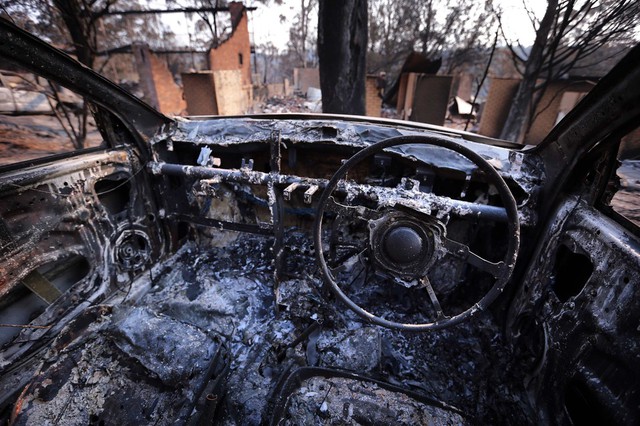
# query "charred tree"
(517, 117)
(571, 34)
(300, 38)
(459, 32)
(81, 19)
(342, 48)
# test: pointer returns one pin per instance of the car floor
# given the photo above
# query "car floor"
(206, 334)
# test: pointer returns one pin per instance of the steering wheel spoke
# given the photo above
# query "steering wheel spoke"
(348, 259)
(426, 284)
(463, 252)
(352, 212)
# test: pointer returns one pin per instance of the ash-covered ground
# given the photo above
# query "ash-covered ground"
(466, 366)
(149, 356)
(27, 137)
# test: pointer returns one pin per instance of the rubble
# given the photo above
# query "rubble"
(288, 104)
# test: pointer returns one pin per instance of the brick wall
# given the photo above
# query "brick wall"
(199, 91)
(465, 84)
(215, 93)
(230, 100)
(303, 78)
(235, 52)
(170, 99)
(275, 89)
(372, 100)
(496, 109)
(560, 97)
(431, 98)
(157, 83)
(288, 88)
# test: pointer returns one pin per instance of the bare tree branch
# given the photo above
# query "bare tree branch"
(576, 29)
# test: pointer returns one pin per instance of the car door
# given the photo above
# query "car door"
(575, 319)
(77, 217)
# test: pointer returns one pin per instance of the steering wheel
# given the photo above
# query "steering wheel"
(406, 240)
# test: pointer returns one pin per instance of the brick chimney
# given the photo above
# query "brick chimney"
(236, 8)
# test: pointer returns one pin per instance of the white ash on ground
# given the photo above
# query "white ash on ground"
(287, 104)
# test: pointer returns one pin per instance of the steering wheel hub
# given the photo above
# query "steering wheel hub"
(402, 245)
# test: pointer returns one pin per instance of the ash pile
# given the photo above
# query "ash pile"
(210, 336)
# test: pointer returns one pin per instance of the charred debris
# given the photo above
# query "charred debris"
(227, 318)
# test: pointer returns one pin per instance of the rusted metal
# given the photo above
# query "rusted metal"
(42, 287)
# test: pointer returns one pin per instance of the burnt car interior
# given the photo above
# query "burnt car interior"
(295, 269)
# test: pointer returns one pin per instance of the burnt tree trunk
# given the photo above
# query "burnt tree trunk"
(77, 20)
(517, 120)
(342, 48)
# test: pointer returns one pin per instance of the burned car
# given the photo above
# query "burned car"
(294, 269)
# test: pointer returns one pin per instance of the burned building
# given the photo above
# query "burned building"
(226, 89)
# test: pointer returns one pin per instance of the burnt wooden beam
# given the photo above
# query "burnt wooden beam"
(180, 10)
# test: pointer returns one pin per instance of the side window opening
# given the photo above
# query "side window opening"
(22, 305)
(39, 118)
(626, 181)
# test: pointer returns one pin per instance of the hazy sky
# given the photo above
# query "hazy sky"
(265, 25)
